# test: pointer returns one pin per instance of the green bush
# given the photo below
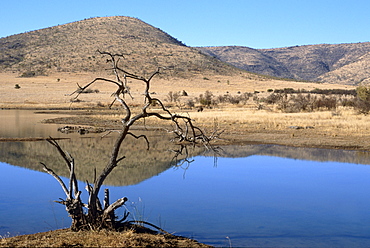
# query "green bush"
(363, 93)
(362, 101)
(206, 99)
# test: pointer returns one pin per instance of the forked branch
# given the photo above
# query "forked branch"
(102, 215)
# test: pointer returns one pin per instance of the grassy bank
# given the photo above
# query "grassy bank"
(67, 238)
(342, 129)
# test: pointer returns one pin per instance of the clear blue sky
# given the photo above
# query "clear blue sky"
(252, 23)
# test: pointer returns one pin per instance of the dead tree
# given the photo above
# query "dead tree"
(96, 214)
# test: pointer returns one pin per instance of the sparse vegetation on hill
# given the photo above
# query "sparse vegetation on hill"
(72, 48)
(340, 63)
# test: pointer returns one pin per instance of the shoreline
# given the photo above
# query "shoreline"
(234, 132)
(242, 124)
(102, 238)
(246, 133)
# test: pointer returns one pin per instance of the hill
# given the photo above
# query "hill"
(72, 48)
(339, 63)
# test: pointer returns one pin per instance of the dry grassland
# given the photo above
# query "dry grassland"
(52, 90)
(241, 124)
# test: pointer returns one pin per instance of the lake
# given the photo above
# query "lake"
(254, 195)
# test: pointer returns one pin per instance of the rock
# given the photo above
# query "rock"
(296, 127)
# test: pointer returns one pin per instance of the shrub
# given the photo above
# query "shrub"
(285, 90)
(234, 99)
(240, 98)
(363, 93)
(272, 99)
(303, 102)
(190, 103)
(88, 91)
(28, 74)
(362, 100)
(363, 107)
(325, 102)
(348, 102)
(173, 96)
(206, 99)
(33, 73)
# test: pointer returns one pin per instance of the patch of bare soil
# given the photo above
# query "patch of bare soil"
(68, 238)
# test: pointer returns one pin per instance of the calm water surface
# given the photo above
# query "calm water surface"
(257, 200)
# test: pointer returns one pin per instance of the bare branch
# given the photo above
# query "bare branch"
(106, 198)
(183, 128)
(71, 178)
(115, 205)
(60, 150)
(70, 164)
(88, 187)
(125, 215)
(81, 89)
(51, 172)
(141, 136)
(121, 158)
(149, 224)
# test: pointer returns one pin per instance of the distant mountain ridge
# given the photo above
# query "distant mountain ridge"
(72, 48)
(338, 63)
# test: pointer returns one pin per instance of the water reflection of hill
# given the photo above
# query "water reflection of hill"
(313, 154)
(89, 153)
(141, 164)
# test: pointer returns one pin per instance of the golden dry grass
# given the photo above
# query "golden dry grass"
(67, 238)
(344, 121)
(53, 90)
(343, 129)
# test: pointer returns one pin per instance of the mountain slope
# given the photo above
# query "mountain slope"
(248, 59)
(353, 73)
(340, 63)
(72, 48)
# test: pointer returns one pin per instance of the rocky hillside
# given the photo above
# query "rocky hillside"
(341, 63)
(73, 48)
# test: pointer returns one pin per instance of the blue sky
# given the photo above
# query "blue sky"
(252, 23)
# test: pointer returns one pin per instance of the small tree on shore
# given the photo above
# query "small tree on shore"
(362, 101)
(96, 214)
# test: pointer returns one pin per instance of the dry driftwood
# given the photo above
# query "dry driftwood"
(102, 215)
